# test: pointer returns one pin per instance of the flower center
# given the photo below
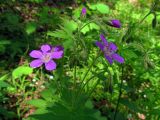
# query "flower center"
(107, 51)
(46, 57)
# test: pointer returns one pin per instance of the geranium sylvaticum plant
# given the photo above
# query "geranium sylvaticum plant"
(48, 54)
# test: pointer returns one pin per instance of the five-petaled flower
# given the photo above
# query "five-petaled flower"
(109, 50)
(115, 23)
(45, 56)
(84, 11)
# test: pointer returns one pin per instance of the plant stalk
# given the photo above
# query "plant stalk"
(119, 96)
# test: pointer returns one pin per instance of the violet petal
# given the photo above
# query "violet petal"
(112, 46)
(51, 65)
(103, 39)
(100, 45)
(36, 63)
(109, 59)
(35, 54)
(45, 48)
(57, 55)
(118, 58)
(58, 48)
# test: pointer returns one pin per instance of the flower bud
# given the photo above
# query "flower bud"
(116, 23)
(84, 11)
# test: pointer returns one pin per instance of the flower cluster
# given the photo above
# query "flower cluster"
(45, 56)
(47, 52)
(109, 50)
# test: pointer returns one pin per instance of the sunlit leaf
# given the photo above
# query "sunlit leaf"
(39, 103)
(30, 28)
(22, 70)
(100, 7)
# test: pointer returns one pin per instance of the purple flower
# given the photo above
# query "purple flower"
(45, 56)
(109, 50)
(115, 23)
(84, 11)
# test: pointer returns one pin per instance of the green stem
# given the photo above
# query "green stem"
(90, 93)
(89, 68)
(82, 87)
(130, 31)
(119, 97)
(75, 72)
(145, 16)
(89, 80)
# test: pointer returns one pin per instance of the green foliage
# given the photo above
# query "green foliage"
(78, 91)
(100, 7)
(30, 27)
(89, 27)
(22, 70)
(65, 109)
(36, 1)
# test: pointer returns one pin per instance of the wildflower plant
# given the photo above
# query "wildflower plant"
(87, 77)
(71, 88)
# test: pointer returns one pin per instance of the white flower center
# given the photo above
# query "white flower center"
(46, 57)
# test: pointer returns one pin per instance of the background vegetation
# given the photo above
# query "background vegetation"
(128, 91)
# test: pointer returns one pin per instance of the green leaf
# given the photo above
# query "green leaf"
(85, 29)
(68, 44)
(98, 116)
(7, 114)
(47, 94)
(70, 25)
(30, 28)
(39, 103)
(3, 84)
(89, 104)
(4, 77)
(3, 45)
(5, 42)
(22, 70)
(77, 13)
(89, 27)
(58, 34)
(94, 26)
(36, 1)
(102, 8)
(155, 112)
(129, 54)
(12, 18)
(129, 104)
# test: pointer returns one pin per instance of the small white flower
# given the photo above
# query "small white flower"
(42, 86)
(124, 81)
(31, 85)
(144, 96)
(51, 77)
(34, 80)
(139, 91)
(67, 73)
